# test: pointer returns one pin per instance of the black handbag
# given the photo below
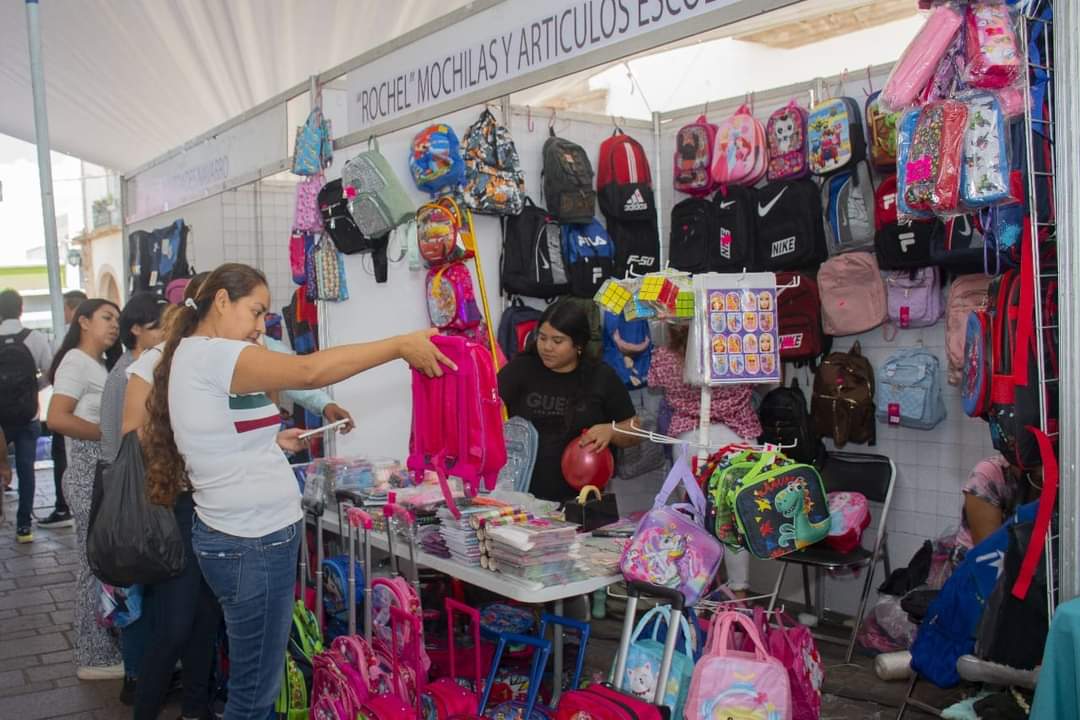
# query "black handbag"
(130, 540)
(592, 510)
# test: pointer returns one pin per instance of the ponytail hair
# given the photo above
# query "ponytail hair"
(165, 469)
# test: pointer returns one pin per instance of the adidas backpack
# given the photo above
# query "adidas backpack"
(494, 181)
(568, 180)
(836, 140)
(589, 255)
(694, 158)
(785, 420)
(848, 199)
(786, 135)
(731, 247)
(740, 156)
(532, 260)
(623, 179)
(789, 231)
(435, 160)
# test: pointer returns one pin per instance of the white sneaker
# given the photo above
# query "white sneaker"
(101, 672)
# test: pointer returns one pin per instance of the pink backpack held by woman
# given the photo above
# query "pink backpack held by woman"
(733, 683)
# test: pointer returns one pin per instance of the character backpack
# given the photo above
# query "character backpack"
(435, 160)
(835, 135)
(740, 156)
(976, 370)
(881, 127)
(673, 549)
(645, 654)
(781, 509)
(444, 232)
(786, 134)
(694, 158)
(729, 683)
(850, 516)
(494, 180)
(451, 301)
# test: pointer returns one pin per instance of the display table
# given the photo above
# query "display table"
(497, 583)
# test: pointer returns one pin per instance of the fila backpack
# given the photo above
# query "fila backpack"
(732, 245)
(568, 181)
(790, 233)
(835, 135)
(848, 199)
(623, 179)
(904, 246)
(532, 260)
(694, 158)
(590, 257)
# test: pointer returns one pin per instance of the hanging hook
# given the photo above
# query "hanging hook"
(551, 120)
(869, 83)
(528, 117)
(706, 112)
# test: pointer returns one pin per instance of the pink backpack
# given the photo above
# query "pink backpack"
(786, 133)
(694, 158)
(457, 418)
(307, 217)
(967, 294)
(451, 300)
(446, 697)
(739, 156)
(406, 676)
(852, 294)
(914, 297)
(338, 689)
(793, 645)
(734, 683)
(395, 593)
(916, 66)
(850, 516)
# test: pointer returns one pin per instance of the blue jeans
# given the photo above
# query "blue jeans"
(253, 579)
(24, 437)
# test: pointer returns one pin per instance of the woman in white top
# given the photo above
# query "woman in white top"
(78, 374)
(210, 415)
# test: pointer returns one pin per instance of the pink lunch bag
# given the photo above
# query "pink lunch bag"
(793, 645)
(850, 514)
(734, 683)
(917, 65)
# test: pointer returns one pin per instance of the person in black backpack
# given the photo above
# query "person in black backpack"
(25, 356)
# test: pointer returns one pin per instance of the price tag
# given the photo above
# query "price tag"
(894, 413)
(905, 316)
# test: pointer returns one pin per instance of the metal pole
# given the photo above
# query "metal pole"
(41, 139)
(1067, 160)
(659, 194)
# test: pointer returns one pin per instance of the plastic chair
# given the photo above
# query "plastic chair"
(874, 476)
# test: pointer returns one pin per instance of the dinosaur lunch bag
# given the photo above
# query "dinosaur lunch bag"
(781, 509)
(908, 390)
(673, 549)
(644, 656)
(849, 514)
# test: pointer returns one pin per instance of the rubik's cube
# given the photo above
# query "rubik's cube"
(638, 310)
(684, 303)
(612, 296)
(659, 291)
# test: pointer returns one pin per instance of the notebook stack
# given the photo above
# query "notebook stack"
(532, 549)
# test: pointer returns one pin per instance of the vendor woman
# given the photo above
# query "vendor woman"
(553, 385)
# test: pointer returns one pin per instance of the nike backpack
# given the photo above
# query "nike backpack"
(568, 181)
(835, 136)
(958, 245)
(590, 257)
(732, 246)
(848, 199)
(532, 260)
(786, 135)
(789, 232)
(694, 158)
(692, 233)
(799, 309)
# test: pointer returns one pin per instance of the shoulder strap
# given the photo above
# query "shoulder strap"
(1047, 499)
(680, 473)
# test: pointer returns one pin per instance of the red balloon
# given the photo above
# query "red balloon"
(581, 466)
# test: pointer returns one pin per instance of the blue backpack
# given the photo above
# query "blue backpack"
(952, 620)
(908, 390)
(627, 349)
(435, 160)
(589, 256)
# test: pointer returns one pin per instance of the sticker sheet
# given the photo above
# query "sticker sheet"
(740, 327)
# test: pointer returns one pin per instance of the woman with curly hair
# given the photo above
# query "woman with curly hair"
(213, 427)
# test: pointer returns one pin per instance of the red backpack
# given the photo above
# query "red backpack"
(457, 418)
(799, 310)
(623, 179)
(885, 203)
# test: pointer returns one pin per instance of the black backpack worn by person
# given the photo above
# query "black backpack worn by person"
(568, 181)
(786, 421)
(532, 260)
(18, 380)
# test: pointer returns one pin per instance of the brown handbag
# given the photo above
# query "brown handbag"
(843, 401)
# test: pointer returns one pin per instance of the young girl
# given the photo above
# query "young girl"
(732, 420)
(213, 427)
(78, 375)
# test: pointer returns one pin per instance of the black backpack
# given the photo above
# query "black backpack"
(905, 246)
(148, 269)
(732, 246)
(568, 181)
(786, 421)
(517, 325)
(692, 227)
(18, 380)
(790, 231)
(339, 222)
(957, 245)
(637, 246)
(532, 261)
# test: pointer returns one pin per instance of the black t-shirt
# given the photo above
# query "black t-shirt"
(546, 399)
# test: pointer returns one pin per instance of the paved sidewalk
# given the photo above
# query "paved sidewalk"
(37, 580)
